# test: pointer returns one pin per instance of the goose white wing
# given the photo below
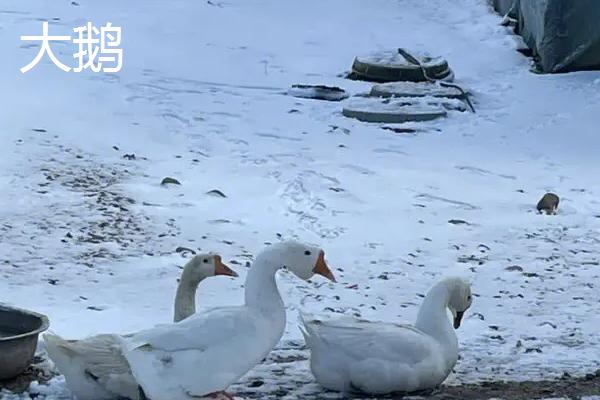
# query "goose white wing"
(200, 355)
(198, 331)
(361, 339)
(100, 354)
(94, 368)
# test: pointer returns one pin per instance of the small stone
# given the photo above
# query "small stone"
(216, 193)
(129, 156)
(530, 274)
(182, 249)
(479, 315)
(458, 222)
(219, 221)
(533, 350)
(514, 268)
(256, 383)
(170, 181)
(548, 204)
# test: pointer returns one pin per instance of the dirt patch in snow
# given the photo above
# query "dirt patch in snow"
(76, 210)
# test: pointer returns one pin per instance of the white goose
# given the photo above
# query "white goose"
(378, 358)
(95, 369)
(204, 354)
(195, 271)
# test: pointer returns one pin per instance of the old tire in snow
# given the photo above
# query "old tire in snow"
(391, 66)
(392, 111)
(414, 89)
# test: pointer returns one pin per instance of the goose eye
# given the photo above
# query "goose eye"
(307, 253)
(205, 261)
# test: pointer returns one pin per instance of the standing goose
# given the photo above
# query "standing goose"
(204, 354)
(95, 369)
(195, 271)
(379, 358)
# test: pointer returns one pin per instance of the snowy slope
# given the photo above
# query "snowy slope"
(201, 98)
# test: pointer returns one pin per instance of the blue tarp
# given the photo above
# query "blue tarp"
(563, 34)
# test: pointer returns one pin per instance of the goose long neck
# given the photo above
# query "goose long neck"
(185, 298)
(433, 319)
(261, 291)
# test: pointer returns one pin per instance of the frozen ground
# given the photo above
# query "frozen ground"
(89, 237)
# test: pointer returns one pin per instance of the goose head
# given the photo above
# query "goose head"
(204, 266)
(460, 299)
(302, 259)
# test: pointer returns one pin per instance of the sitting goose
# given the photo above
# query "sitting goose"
(95, 369)
(379, 358)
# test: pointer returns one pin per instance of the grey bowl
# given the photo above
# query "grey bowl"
(19, 330)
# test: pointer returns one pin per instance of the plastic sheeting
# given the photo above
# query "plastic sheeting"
(563, 34)
(507, 7)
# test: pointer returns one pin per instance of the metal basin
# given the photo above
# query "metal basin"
(19, 330)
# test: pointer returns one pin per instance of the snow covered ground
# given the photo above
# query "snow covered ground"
(89, 237)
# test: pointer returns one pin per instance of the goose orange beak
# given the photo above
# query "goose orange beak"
(322, 269)
(222, 269)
